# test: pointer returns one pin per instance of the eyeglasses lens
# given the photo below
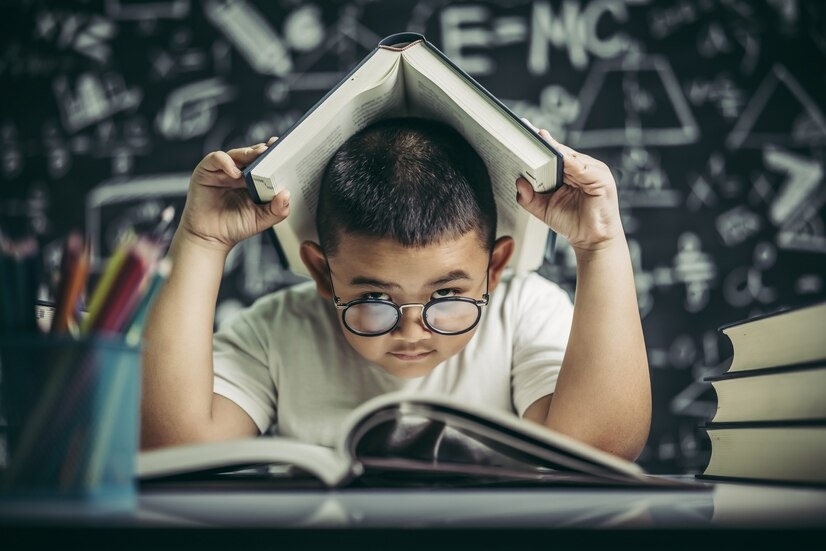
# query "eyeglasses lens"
(452, 316)
(370, 318)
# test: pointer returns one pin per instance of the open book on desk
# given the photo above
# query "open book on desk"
(410, 439)
(407, 76)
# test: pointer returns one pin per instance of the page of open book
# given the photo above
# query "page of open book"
(435, 430)
(328, 465)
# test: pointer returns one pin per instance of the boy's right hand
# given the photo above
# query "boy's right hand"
(219, 211)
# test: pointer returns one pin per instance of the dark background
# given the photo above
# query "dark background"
(710, 113)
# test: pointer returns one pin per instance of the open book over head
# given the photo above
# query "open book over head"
(402, 439)
(407, 76)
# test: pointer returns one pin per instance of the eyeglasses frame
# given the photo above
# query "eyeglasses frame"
(479, 303)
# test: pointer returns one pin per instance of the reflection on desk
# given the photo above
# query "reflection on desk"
(717, 505)
(523, 508)
(734, 505)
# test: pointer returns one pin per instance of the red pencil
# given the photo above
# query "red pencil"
(126, 289)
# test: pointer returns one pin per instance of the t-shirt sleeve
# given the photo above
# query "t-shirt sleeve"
(542, 324)
(241, 364)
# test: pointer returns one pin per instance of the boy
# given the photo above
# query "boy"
(407, 293)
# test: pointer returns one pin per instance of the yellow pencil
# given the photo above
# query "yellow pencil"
(104, 285)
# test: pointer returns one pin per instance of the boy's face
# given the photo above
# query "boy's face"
(382, 268)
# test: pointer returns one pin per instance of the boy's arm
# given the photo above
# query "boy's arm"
(603, 393)
(177, 403)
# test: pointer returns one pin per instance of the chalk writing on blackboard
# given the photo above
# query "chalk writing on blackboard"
(633, 101)
(802, 122)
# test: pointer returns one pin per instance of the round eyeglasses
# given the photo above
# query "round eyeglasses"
(372, 317)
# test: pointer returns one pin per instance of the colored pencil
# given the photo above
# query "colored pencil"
(126, 291)
(104, 285)
(73, 274)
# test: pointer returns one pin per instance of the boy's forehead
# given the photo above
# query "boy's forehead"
(361, 256)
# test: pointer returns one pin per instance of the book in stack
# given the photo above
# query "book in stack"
(770, 423)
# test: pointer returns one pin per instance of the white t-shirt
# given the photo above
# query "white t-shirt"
(285, 361)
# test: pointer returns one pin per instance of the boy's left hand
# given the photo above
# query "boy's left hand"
(585, 210)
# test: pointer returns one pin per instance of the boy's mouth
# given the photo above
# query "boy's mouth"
(411, 356)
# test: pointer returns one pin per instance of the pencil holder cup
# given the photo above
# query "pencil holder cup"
(71, 408)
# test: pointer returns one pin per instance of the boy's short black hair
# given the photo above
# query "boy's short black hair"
(414, 180)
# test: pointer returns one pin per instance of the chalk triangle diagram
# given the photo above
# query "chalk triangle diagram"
(780, 113)
(633, 101)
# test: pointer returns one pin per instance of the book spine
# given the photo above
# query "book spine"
(400, 41)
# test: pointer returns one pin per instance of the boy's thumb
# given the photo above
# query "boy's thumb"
(279, 208)
(530, 200)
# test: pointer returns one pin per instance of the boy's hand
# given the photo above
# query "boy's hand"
(219, 211)
(585, 211)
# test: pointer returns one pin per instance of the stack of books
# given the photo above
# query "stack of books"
(770, 423)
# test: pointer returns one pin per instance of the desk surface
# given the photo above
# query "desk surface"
(750, 516)
(722, 505)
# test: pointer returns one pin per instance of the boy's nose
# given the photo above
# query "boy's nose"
(411, 326)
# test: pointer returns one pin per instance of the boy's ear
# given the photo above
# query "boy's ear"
(499, 257)
(316, 262)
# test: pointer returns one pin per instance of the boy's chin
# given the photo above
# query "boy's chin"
(410, 368)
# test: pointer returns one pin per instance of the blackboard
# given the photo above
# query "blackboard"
(711, 114)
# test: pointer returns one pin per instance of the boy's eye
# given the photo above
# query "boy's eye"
(376, 296)
(444, 293)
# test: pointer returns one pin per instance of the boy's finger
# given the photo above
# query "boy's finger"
(219, 161)
(577, 167)
(529, 123)
(547, 135)
(568, 151)
(245, 155)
